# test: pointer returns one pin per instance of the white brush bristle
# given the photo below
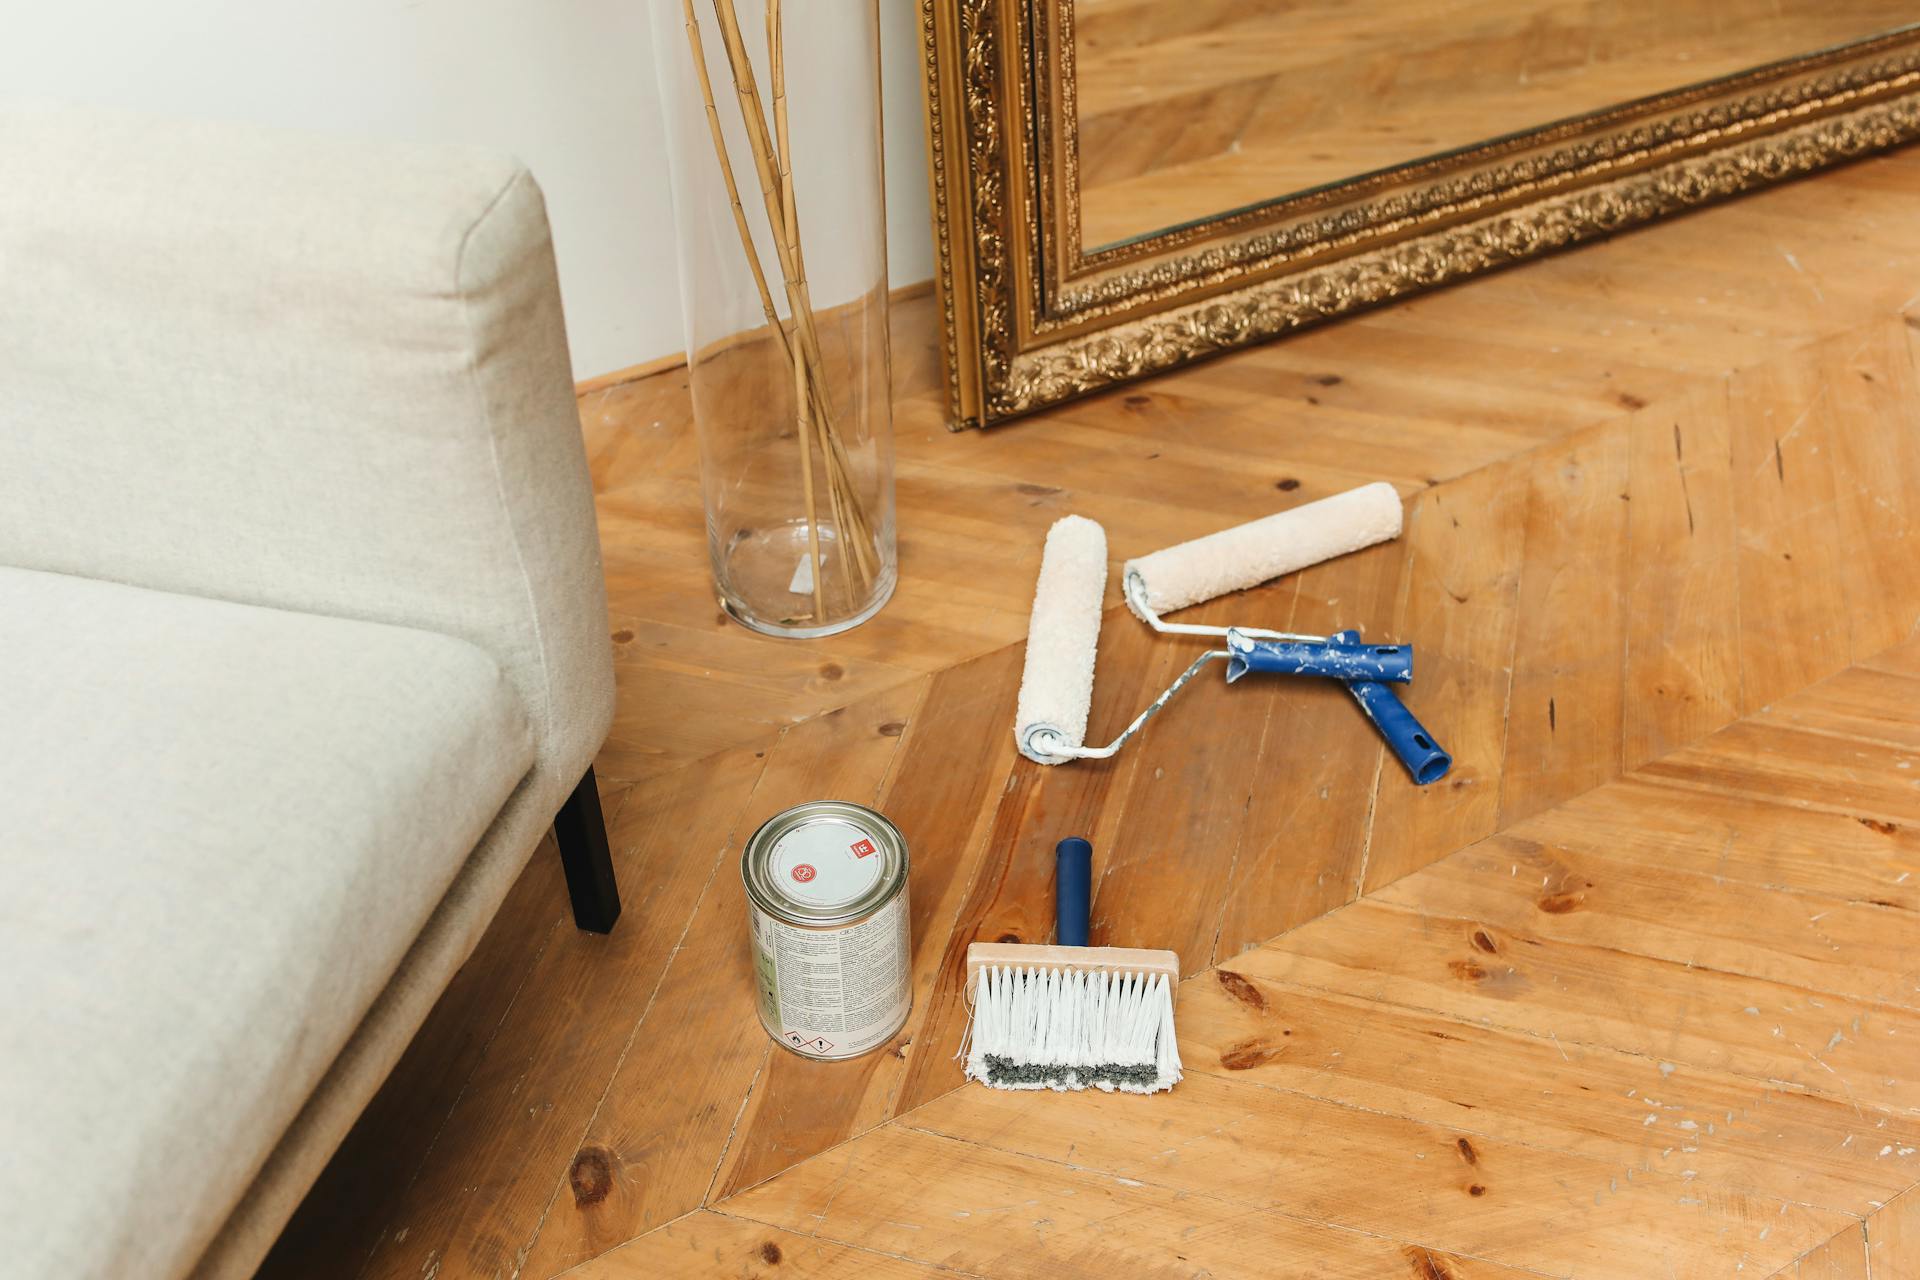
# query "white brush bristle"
(1261, 550)
(1056, 688)
(1052, 1028)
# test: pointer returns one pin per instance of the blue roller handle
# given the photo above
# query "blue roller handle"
(1390, 662)
(1408, 738)
(1072, 891)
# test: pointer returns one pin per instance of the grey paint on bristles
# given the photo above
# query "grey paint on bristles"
(1064, 1028)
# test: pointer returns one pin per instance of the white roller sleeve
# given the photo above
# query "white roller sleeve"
(1056, 689)
(1250, 554)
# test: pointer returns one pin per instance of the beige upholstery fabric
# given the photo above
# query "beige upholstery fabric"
(322, 375)
(443, 945)
(224, 826)
(329, 378)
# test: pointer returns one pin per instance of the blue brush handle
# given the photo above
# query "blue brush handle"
(1391, 662)
(1409, 739)
(1072, 891)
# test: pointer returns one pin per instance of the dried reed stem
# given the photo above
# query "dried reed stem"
(803, 405)
(726, 174)
(773, 166)
(848, 519)
(821, 408)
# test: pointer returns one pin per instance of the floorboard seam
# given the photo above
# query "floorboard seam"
(979, 836)
(1838, 735)
(587, 1262)
(633, 1031)
(940, 1267)
(1671, 783)
(733, 1130)
(1242, 1081)
(892, 772)
(1866, 1231)
(1792, 1269)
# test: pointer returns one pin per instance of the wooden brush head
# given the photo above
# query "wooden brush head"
(1011, 955)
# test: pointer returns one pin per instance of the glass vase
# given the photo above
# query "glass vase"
(779, 210)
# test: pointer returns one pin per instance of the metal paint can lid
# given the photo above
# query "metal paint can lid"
(824, 863)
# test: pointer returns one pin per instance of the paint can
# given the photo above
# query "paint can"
(827, 913)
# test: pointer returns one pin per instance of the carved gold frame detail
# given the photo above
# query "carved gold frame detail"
(1031, 317)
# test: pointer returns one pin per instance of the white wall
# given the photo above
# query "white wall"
(567, 85)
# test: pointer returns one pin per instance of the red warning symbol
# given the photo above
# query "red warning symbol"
(804, 872)
(861, 848)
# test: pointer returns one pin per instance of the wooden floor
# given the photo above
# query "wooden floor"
(1635, 992)
(1188, 109)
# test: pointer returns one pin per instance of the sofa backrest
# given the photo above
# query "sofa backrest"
(316, 374)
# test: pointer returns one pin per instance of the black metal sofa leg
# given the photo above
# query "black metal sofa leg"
(582, 834)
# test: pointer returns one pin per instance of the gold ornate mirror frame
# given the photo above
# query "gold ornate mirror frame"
(1033, 318)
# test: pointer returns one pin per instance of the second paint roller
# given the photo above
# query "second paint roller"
(1056, 689)
(1256, 552)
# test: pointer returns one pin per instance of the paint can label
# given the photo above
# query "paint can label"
(833, 993)
(828, 922)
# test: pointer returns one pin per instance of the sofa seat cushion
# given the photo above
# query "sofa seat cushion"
(220, 828)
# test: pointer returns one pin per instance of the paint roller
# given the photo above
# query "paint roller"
(1256, 552)
(1056, 690)
(1063, 631)
(1063, 634)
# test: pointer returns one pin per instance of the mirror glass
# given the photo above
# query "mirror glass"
(1190, 109)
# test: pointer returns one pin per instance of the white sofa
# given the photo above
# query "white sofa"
(302, 649)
